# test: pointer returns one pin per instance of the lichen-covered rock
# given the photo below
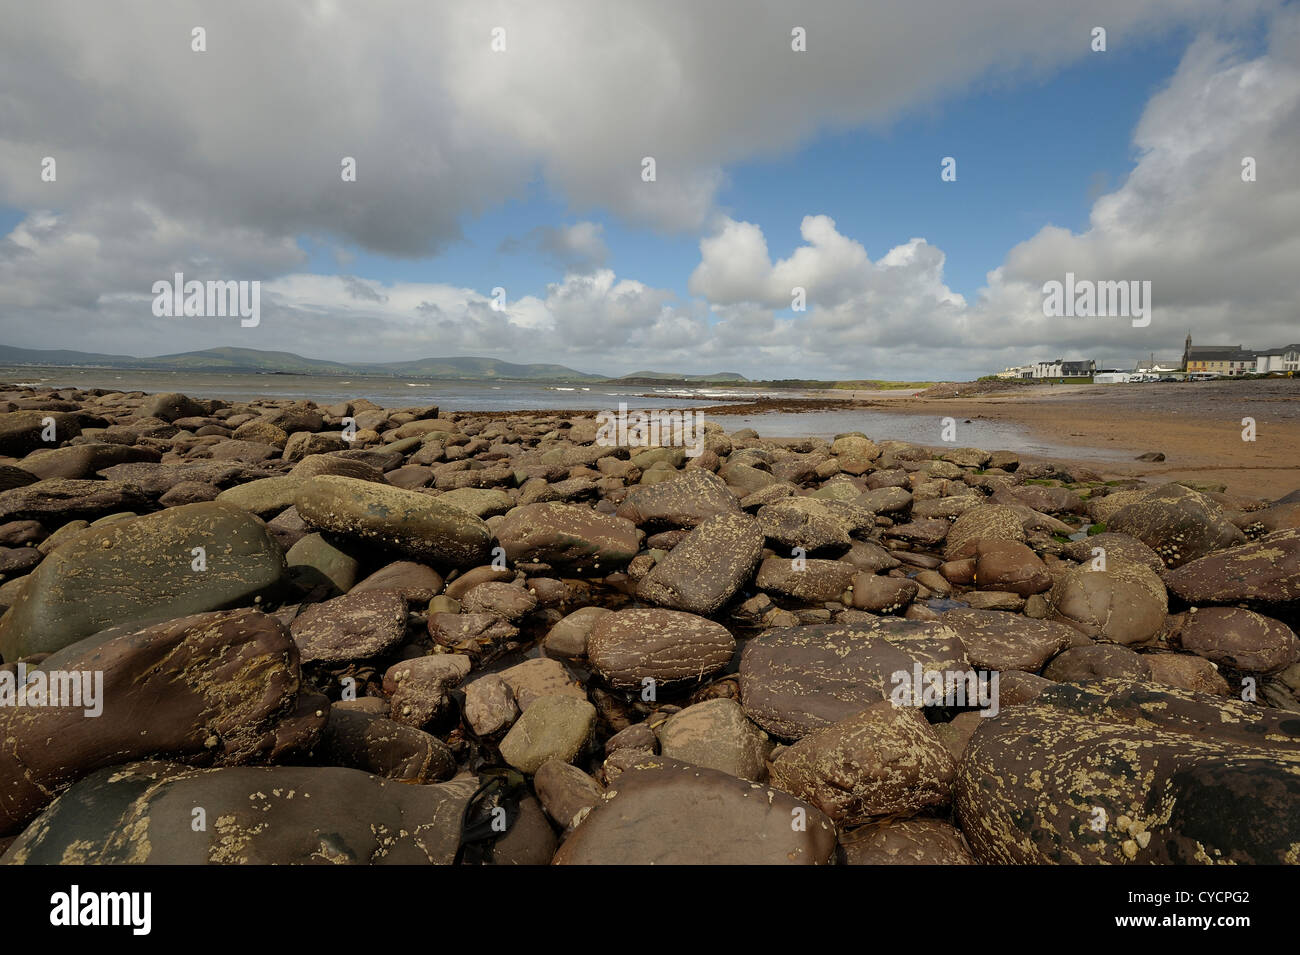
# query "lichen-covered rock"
(995, 640)
(1241, 639)
(809, 580)
(141, 570)
(351, 627)
(1177, 523)
(986, 522)
(628, 647)
(569, 536)
(144, 813)
(1265, 572)
(707, 567)
(812, 524)
(418, 688)
(1119, 772)
(685, 501)
(796, 680)
(218, 688)
(884, 760)
(415, 524)
(65, 499)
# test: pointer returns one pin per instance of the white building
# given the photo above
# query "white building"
(1286, 358)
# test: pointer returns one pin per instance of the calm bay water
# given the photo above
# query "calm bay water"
(517, 395)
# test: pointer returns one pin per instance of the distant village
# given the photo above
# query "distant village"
(1199, 363)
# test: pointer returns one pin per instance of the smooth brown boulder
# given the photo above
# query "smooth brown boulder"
(628, 647)
(995, 640)
(1241, 639)
(716, 734)
(384, 747)
(1098, 662)
(1264, 573)
(796, 680)
(24, 431)
(707, 567)
(1010, 566)
(663, 812)
(905, 842)
(884, 760)
(882, 594)
(416, 583)
(1186, 672)
(1108, 546)
(1125, 603)
(215, 688)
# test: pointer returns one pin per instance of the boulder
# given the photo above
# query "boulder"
(415, 524)
(796, 680)
(1179, 524)
(570, 536)
(217, 688)
(707, 567)
(1124, 772)
(274, 815)
(628, 647)
(142, 570)
(664, 812)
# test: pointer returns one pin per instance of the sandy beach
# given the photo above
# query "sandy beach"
(1197, 426)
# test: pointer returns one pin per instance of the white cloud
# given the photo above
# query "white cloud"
(218, 162)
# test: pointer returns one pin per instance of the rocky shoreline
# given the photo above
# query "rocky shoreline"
(367, 635)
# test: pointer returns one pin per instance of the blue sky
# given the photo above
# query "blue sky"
(1029, 153)
(776, 169)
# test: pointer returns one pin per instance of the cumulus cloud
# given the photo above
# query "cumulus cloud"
(575, 248)
(218, 164)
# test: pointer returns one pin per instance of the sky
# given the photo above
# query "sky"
(503, 146)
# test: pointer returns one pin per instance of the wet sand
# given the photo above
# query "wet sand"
(1196, 425)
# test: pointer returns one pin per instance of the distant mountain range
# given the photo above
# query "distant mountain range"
(252, 360)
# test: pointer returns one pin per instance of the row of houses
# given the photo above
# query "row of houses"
(1228, 361)
(1056, 368)
(1233, 360)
